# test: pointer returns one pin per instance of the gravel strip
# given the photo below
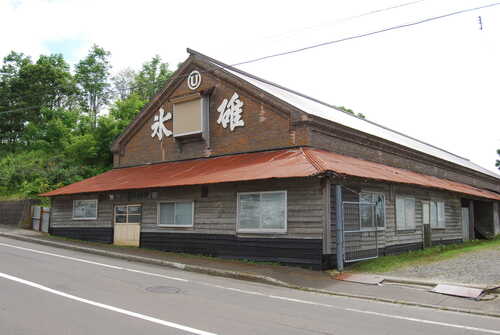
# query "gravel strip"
(479, 268)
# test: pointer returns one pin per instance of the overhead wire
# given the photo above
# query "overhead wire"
(345, 19)
(353, 37)
(400, 26)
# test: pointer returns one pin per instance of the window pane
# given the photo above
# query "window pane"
(273, 210)
(167, 213)
(134, 209)
(400, 213)
(121, 218)
(441, 214)
(433, 214)
(85, 209)
(121, 210)
(379, 210)
(249, 211)
(410, 213)
(184, 213)
(366, 215)
(425, 213)
(134, 219)
(365, 197)
(78, 210)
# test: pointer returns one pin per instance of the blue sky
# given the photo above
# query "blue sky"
(70, 48)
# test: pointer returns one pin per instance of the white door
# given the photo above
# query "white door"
(465, 223)
(127, 227)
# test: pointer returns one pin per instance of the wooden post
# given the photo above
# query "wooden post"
(472, 235)
(327, 228)
(339, 220)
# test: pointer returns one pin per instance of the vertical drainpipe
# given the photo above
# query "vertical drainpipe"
(340, 227)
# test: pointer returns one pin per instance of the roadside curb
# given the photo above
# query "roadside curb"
(249, 276)
(423, 282)
(175, 265)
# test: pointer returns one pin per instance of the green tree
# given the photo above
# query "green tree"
(350, 111)
(498, 160)
(123, 83)
(92, 75)
(151, 78)
(26, 88)
(125, 111)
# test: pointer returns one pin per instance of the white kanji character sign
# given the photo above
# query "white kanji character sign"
(230, 112)
(158, 126)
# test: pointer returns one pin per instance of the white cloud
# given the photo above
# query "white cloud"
(435, 81)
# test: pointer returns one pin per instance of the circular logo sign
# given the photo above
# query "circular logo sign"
(194, 80)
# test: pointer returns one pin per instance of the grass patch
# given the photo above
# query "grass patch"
(424, 256)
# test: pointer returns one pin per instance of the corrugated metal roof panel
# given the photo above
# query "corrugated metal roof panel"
(330, 113)
(286, 163)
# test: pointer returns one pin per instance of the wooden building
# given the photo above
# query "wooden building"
(224, 163)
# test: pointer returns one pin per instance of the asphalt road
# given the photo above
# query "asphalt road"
(45, 290)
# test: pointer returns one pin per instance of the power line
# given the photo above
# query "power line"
(344, 19)
(406, 25)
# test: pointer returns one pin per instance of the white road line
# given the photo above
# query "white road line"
(438, 323)
(94, 263)
(108, 307)
(276, 297)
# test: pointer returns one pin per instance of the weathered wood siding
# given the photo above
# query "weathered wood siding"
(62, 212)
(333, 137)
(214, 214)
(390, 237)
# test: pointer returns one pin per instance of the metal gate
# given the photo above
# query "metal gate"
(360, 240)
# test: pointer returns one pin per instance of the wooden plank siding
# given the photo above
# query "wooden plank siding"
(214, 214)
(390, 236)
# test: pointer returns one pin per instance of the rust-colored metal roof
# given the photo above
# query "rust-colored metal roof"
(286, 163)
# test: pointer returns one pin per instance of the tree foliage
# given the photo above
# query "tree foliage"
(350, 111)
(498, 160)
(93, 77)
(52, 132)
(151, 78)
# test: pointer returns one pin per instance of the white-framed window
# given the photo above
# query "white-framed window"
(262, 212)
(175, 214)
(405, 213)
(128, 214)
(437, 216)
(85, 209)
(372, 210)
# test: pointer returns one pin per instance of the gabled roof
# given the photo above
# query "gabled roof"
(285, 163)
(323, 110)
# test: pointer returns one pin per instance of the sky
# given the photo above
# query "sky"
(436, 81)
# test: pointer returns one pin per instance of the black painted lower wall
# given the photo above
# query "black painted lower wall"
(291, 251)
(92, 234)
